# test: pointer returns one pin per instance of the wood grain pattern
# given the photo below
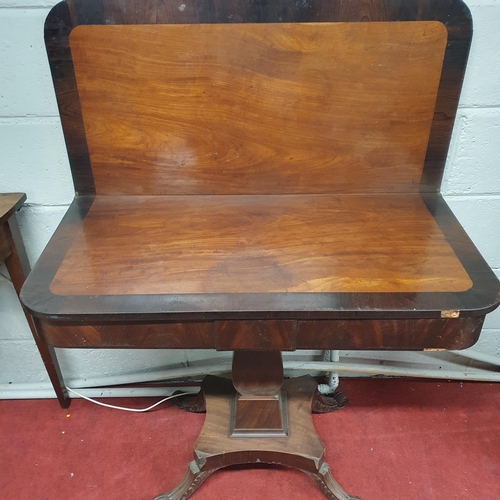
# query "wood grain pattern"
(483, 297)
(259, 408)
(259, 244)
(256, 335)
(257, 374)
(187, 335)
(401, 334)
(258, 109)
(454, 15)
(302, 439)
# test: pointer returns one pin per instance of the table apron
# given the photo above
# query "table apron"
(283, 335)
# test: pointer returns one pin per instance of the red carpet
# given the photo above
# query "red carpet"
(397, 439)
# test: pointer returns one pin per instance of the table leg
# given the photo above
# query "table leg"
(258, 418)
(18, 266)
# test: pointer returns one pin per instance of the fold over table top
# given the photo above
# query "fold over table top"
(155, 257)
(268, 169)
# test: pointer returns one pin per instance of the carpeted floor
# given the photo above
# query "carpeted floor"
(398, 439)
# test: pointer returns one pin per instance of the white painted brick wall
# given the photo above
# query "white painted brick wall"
(33, 159)
(471, 167)
(483, 75)
(25, 84)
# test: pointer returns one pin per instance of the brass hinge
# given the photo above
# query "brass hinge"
(450, 313)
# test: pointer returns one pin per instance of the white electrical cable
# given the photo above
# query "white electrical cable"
(136, 410)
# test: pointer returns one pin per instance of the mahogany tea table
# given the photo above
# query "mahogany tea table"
(259, 176)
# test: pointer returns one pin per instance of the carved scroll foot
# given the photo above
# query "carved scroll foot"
(193, 404)
(326, 404)
(193, 478)
(330, 488)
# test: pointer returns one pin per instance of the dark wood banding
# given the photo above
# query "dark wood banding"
(58, 26)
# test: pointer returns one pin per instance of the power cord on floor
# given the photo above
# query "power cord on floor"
(136, 410)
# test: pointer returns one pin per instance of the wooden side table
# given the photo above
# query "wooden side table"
(13, 253)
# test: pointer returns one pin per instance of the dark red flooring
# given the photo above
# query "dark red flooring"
(397, 439)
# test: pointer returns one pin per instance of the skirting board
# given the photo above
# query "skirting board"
(435, 365)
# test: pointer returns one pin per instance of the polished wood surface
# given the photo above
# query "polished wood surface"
(258, 109)
(455, 16)
(482, 297)
(467, 301)
(259, 244)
